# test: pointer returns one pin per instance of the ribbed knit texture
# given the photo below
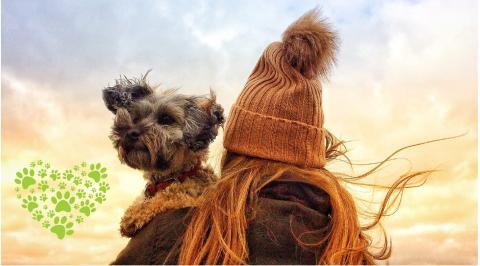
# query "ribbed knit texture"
(278, 115)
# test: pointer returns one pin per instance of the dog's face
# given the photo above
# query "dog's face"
(159, 132)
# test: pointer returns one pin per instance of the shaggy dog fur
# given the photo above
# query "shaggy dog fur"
(165, 135)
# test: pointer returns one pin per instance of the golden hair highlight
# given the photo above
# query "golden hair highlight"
(217, 233)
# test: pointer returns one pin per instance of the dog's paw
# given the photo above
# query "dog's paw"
(130, 223)
(128, 230)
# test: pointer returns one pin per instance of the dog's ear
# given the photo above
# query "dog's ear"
(120, 96)
(203, 118)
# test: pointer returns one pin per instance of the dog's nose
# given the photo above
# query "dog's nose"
(133, 134)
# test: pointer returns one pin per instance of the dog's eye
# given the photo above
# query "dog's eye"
(136, 95)
(120, 128)
(165, 119)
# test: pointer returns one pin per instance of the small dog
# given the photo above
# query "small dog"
(166, 135)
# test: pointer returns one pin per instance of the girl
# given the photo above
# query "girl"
(276, 203)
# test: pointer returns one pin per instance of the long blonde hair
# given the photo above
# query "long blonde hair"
(217, 233)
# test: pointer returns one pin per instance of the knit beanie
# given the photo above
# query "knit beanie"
(278, 115)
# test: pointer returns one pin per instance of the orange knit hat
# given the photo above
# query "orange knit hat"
(278, 115)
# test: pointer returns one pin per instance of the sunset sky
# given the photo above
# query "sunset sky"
(406, 73)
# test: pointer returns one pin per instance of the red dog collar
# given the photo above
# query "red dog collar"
(152, 188)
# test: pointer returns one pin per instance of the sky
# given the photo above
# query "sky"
(406, 73)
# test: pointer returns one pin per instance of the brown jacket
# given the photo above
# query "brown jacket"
(284, 209)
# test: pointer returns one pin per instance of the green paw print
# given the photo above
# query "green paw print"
(104, 187)
(46, 224)
(79, 219)
(68, 175)
(42, 173)
(26, 178)
(100, 197)
(43, 185)
(63, 202)
(87, 207)
(37, 215)
(77, 180)
(43, 197)
(30, 203)
(61, 227)
(50, 214)
(87, 183)
(81, 194)
(62, 185)
(97, 172)
(54, 175)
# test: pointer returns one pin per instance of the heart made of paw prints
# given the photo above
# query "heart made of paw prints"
(59, 200)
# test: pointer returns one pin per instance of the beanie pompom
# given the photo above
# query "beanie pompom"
(309, 45)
